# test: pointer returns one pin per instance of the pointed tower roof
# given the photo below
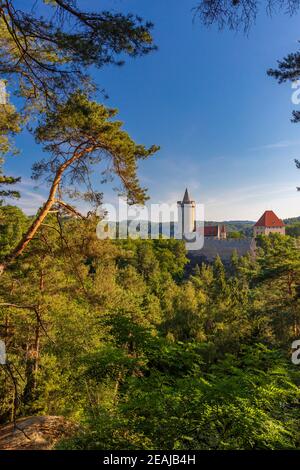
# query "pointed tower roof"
(186, 198)
(269, 219)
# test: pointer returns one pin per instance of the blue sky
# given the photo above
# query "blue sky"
(223, 125)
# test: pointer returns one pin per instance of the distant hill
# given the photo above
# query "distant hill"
(244, 226)
(292, 221)
(293, 226)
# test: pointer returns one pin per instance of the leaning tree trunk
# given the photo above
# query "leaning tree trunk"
(34, 227)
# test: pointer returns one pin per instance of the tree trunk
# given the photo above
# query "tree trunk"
(43, 212)
(32, 368)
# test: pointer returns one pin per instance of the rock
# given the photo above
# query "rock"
(35, 433)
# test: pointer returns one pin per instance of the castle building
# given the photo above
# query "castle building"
(187, 220)
(186, 214)
(216, 242)
(215, 231)
(268, 223)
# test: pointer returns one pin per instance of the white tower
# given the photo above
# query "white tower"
(186, 214)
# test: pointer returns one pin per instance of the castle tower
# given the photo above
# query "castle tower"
(186, 214)
(268, 223)
(223, 234)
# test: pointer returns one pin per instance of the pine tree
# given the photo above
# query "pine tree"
(9, 126)
(78, 135)
(48, 54)
(298, 166)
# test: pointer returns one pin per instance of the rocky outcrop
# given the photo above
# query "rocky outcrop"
(35, 433)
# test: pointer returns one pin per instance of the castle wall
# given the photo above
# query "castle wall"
(224, 248)
(267, 230)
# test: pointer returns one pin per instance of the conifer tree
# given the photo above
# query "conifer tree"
(9, 126)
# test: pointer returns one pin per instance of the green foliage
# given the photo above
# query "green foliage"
(293, 230)
(48, 54)
(12, 225)
(235, 234)
(177, 403)
(117, 335)
(87, 131)
(9, 126)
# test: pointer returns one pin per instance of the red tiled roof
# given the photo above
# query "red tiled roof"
(269, 219)
(211, 231)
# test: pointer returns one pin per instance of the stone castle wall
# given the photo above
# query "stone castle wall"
(224, 248)
(268, 230)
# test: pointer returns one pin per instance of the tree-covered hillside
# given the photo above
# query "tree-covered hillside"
(113, 336)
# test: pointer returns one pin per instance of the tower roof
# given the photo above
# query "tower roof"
(269, 219)
(186, 198)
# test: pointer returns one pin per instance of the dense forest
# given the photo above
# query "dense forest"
(117, 337)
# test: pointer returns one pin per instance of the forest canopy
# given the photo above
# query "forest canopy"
(124, 339)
